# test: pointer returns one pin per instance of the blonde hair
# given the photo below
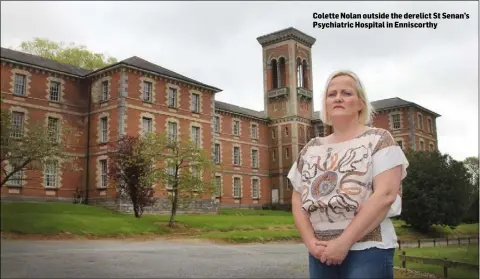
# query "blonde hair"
(365, 115)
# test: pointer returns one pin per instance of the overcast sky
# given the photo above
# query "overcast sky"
(215, 43)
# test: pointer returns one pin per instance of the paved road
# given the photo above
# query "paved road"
(148, 259)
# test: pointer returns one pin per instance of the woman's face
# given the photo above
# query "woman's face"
(342, 101)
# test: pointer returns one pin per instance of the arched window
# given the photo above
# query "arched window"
(299, 73)
(282, 73)
(304, 74)
(274, 74)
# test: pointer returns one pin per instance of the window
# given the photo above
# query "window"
(17, 124)
(54, 91)
(53, 129)
(422, 146)
(236, 187)
(146, 125)
(17, 177)
(430, 125)
(273, 133)
(216, 124)
(170, 178)
(255, 188)
(236, 127)
(104, 129)
(218, 186)
(19, 88)
(320, 131)
(51, 174)
(254, 158)
(301, 73)
(286, 152)
(286, 131)
(147, 91)
(254, 131)
(236, 155)
(217, 153)
(172, 97)
(400, 143)
(396, 121)
(195, 172)
(105, 90)
(274, 154)
(420, 122)
(195, 133)
(103, 168)
(172, 131)
(195, 102)
(432, 148)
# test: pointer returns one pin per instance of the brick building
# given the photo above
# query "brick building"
(254, 148)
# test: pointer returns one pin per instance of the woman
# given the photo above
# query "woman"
(356, 167)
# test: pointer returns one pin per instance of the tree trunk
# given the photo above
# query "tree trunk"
(137, 209)
(174, 207)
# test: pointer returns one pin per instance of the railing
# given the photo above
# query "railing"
(433, 242)
(304, 93)
(446, 263)
(280, 92)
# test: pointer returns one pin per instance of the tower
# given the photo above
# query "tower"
(288, 101)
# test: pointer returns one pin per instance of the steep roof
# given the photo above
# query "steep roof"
(389, 103)
(396, 102)
(240, 110)
(149, 66)
(134, 61)
(36, 60)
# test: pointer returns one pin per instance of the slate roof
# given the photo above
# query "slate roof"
(389, 103)
(133, 61)
(146, 65)
(396, 102)
(240, 110)
(42, 62)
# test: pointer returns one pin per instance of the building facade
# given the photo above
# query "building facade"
(255, 149)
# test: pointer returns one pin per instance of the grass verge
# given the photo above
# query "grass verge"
(462, 253)
(230, 225)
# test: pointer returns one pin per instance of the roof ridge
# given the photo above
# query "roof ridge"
(41, 57)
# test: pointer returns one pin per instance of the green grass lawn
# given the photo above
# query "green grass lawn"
(463, 253)
(231, 225)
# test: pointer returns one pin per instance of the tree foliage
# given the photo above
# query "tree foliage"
(132, 168)
(187, 169)
(35, 147)
(77, 55)
(435, 191)
(472, 165)
(177, 167)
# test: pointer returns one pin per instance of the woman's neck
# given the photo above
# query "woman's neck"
(346, 130)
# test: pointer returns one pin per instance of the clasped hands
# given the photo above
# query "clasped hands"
(331, 252)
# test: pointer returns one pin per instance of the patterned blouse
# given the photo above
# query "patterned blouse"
(335, 179)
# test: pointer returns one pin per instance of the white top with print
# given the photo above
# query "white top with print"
(335, 179)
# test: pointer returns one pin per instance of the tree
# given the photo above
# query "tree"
(132, 160)
(187, 168)
(472, 165)
(435, 191)
(33, 148)
(76, 55)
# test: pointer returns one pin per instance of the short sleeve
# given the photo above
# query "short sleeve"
(387, 155)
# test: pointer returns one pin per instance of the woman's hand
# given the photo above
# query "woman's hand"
(335, 251)
(316, 248)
